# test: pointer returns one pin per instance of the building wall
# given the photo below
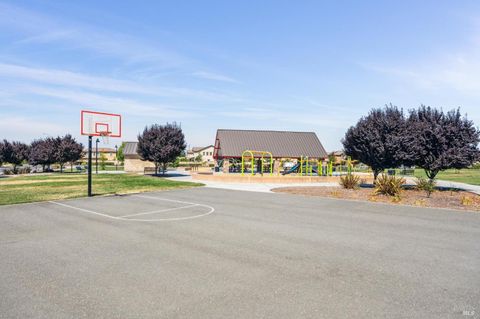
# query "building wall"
(207, 155)
(136, 165)
(109, 155)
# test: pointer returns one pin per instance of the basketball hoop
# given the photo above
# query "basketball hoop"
(104, 125)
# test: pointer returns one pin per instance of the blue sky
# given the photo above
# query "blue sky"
(281, 65)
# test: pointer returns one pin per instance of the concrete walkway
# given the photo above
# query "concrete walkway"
(267, 187)
(449, 184)
(250, 187)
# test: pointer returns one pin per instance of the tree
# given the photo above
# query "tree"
(120, 156)
(103, 161)
(332, 158)
(68, 150)
(2, 151)
(379, 139)
(43, 152)
(18, 154)
(199, 158)
(161, 144)
(442, 141)
(5, 151)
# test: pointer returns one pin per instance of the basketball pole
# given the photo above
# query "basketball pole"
(89, 166)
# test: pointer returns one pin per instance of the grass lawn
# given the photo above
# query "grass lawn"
(469, 176)
(34, 188)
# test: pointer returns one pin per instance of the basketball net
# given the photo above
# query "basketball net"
(105, 136)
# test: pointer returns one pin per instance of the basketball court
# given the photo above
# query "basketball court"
(213, 253)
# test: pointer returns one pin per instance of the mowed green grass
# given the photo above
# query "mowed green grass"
(33, 188)
(469, 176)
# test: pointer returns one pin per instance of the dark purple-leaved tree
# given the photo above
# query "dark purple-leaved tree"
(19, 153)
(442, 140)
(2, 152)
(68, 150)
(161, 144)
(379, 139)
(43, 152)
(5, 151)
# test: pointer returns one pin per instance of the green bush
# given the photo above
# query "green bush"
(426, 185)
(350, 181)
(389, 185)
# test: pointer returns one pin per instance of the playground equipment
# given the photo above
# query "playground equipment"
(250, 155)
(347, 167)
(305, 167)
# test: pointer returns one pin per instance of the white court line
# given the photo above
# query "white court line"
(211, 210)
(159, 211)
(84, 210)
(167, 200)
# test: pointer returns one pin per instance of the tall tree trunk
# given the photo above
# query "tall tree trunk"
(156, 168)
(61, 167)
(431, 174)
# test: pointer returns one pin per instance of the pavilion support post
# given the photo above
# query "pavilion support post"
(226, 166)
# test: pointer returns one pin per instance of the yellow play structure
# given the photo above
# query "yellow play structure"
(250, 156)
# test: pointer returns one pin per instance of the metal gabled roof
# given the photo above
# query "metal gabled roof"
(231, 143)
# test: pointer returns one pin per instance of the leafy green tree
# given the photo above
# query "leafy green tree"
(120, 156)
(103, 161)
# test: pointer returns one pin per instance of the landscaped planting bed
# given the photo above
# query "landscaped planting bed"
(443, 198)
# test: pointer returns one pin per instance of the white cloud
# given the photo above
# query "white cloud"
(89, 100)
(23, 128)
(458, 72)
(39, 28)
(98, 83)
(298, 115)
(214, 76)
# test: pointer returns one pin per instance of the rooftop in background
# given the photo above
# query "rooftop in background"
(130, 148)
(282, 144)
(197, 149)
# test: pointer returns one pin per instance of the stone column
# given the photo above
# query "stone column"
(276, 166)
(226, 165)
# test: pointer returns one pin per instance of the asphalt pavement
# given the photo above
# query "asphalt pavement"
(214, 253)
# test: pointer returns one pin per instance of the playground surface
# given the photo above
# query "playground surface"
(221, 254)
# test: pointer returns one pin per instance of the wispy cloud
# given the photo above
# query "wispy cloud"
(42, 29)
(22, 128)
(214, 77)
(98, 83)
(458, 71)
(300, 115)
(108, 103)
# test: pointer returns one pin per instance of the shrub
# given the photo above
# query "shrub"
(23, 170)
(389, 185)
(350, 181)
(466, 200)
(426, 185)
